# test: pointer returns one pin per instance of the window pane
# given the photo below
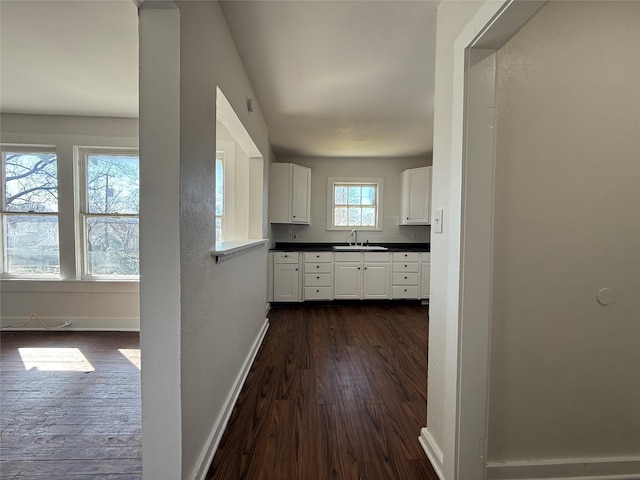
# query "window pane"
(113, 184)
(368, 217)
(355, 217)
(368, 195)
(31, 182)
(112, 246)
(219, 189)
(354, 196)
(31, 244)
(218, 229)
(340, 217)
(341, 195)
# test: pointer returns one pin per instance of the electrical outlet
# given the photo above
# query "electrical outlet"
(414, 235)
(295, 236)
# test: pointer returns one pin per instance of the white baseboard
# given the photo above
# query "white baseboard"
(107, 324)
(617, 468)
(206, 457)
(431, 448)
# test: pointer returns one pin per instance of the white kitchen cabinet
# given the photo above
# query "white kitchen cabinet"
(416, 196)
(347, 275)
(289, 193)
(318, 276)
(360, 275)
(406, 275)
(375, 276)
(286, 277)
(425, 281)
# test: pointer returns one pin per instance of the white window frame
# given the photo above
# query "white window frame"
(82, 154)
(21, 148)
(357, 181)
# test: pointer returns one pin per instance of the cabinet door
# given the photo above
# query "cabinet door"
(425, 280)
(416, 196)
(347, 280)
(300, 197)
(376, 280)
(286, 282)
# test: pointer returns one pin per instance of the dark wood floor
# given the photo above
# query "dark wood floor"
(336, 392)
(70, 406)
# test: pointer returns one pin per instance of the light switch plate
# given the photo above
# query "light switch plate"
(436, 224)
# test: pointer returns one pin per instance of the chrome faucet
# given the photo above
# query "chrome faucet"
(354, 234)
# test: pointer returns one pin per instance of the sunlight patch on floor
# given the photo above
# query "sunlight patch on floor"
(131, 354)
(55, 360)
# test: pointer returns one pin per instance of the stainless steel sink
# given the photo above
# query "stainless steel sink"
(359, 248)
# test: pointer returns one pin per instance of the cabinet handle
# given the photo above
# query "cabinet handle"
(317, 290)
(317, 256)
(405, 266)
(365, 268)
(296, 269)
(286, 256)
(358, 268)
(405, 278)
(318, 278)
(406, 255)
(317, 266)
(405, 289)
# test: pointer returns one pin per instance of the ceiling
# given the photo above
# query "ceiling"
(333, 78)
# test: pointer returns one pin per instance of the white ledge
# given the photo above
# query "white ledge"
(226, 250)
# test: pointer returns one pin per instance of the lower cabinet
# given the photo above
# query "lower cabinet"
(347, 276)
(425, 280)
(406, 275)
(286, 277)
(308, 276)
(360, 275)
(318, 276)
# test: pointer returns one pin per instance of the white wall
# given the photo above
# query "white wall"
(453, 16)
(322, 168)
(565, 370)
(221, 306)
(88, 305)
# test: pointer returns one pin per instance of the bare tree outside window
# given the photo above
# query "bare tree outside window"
(30, 213)
(111, 219)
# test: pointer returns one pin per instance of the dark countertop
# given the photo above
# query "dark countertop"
(324, 247)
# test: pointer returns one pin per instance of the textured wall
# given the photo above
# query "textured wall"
(564, 369)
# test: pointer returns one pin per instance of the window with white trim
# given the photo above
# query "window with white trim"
(354, 203)
(30, 245)
(219, 196)
(109, 212)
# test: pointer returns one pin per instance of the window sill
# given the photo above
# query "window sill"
(51, 285)
(225, 250)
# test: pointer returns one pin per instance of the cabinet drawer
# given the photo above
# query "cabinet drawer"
(405, 279)
(376, 256)
(317, 293)
(413, 267)
(285, 257)
(406, 256)
(405, 291)
(317, 280)
(318, 257)
(317, 267)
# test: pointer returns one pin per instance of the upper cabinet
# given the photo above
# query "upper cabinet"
(416, 196)
(289, 193)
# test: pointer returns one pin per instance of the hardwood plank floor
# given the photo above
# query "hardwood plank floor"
(336, 392)
(70, 406)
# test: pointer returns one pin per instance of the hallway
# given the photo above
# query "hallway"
(336, 392)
